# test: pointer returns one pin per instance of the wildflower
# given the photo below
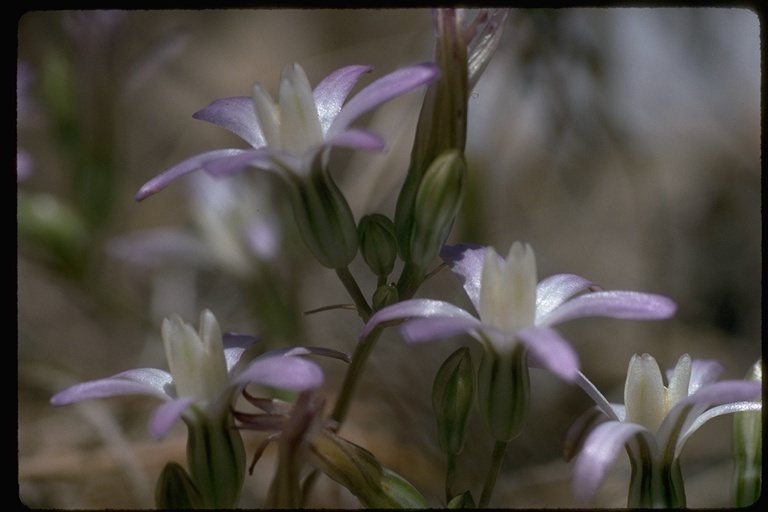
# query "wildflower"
(203, 380)
(514, 318)
(287, 136)
(653, 425)
(512, 309)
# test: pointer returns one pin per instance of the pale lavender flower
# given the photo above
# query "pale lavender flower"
(203, 378)
(653, 425)
(512, 309)
(287, 136)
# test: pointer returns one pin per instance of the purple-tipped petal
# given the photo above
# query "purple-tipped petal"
(415, 308)
(236, 115)
(555, 290)
(598, 454)
(551, 351)
(382, 90)
(191, 164)
(428, 329)
(612, 304)
(166, 416)
(330, 93)
(357, 139)
(310, 351)
(141, 381)
(578, 431)
(283, 372)
(466, 262)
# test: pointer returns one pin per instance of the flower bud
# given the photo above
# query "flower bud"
(748, 450)
(378, 243)
(452, 395)
(385, 295)
(324, 219)
(463, 500)
(359, 471)
(437, 203)
(175, 489)
(503, 392)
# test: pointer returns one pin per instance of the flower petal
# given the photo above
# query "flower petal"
(425, 308)
(554, 290)
(466, 262)
(141, 381)
(191, 164)
(382, 90)
(283, 372)
(236, 115)
(598, 454)
(427, 329)
(703, 371)
(612, 304)
(166, 416)
(614, 411)
(330, 93)
(230, 164)
(551, 351)
(677, 425)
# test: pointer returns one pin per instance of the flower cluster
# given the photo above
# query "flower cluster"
(211, 376)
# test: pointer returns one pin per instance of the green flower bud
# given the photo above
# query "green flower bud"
(385, 295)
(452, 395)
(503, 392)
(359, 471)
(463, 500)
(324, 219)
(378, 243)
(175, 489)
(437, 203)
(748, 450)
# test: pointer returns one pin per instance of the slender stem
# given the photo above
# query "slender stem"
(450, 474)
(348, 280)
(410, 279)
(493, 473)
(355, 370)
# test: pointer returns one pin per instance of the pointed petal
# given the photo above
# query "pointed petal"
(425, 308)
(644, 392)
(556, 289)
(283, 372)
(191, 164)
(330, 93)
(551, 351)
(232, 356)
(357, 139)
(713, 413)
(598, 454)
(236, 115)
(382, 90)
(299, 122)
(614, 412)
(166, 416)
(466, 262)
(310, 351)
(141, 381)
(612, 304)
(427, 329)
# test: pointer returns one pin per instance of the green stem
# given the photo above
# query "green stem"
(355, 370)
(410, 279)
(450, 476)
(348, 280)
(493, 473)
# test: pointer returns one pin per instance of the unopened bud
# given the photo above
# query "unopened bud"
(175, 489)
(452, 395)
(748, 450)
(378, 243)
(385, 295)
(437, 203)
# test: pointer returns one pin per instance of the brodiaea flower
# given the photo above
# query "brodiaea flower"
(287, 136)
(653, 425)
(512, 309)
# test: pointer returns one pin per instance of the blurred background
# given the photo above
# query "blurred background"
(622, 144)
